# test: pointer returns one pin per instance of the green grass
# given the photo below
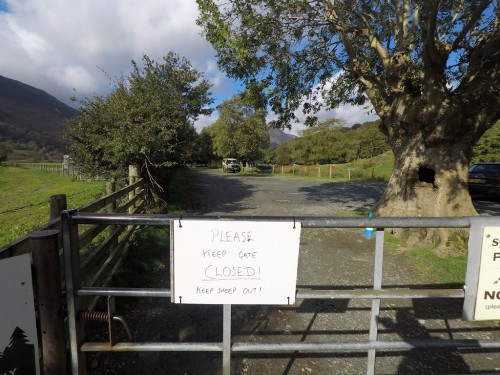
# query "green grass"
(376, 168)
(445, 269)
(148, 255)
(24, 198)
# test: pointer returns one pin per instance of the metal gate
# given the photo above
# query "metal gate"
(75, 291)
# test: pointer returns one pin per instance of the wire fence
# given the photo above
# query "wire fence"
(327, 171)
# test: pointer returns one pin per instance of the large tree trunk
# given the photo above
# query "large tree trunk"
(432, 146)
(426, 184)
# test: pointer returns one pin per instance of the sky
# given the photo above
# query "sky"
(70, 47)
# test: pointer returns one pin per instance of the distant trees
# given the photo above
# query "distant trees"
(147, 120)
(331, 142)
(488, 147)
(4, 152)
(240, 131)
(203, 149)
(431, 70)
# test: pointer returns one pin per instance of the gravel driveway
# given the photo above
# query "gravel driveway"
(329, 258)
(340, 258)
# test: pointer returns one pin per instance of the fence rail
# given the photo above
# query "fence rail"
(55, 168)
(102, 246)
(76, 292)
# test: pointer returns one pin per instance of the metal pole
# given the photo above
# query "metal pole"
(111, 323)
(45, 252)
(226, 341)
(377, 285)
(73, 283)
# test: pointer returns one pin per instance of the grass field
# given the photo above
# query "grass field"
(376, 168)
(24, 198)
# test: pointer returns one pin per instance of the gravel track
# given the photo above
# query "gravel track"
(338, 258)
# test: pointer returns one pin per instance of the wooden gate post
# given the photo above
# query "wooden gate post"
(57, 205)
(133, 176)
(111, 208)
(45, 252)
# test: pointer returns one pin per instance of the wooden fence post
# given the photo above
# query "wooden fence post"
(57, 205)
(133, 175)
(45, 252)
(110, 189)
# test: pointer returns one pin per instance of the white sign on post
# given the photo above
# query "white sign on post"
(235, 262)
(18, 335)
(488, 289)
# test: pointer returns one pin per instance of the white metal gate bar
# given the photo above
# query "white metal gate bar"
(71, 219)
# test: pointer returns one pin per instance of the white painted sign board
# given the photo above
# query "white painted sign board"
(235, 262)
(488, 288)
(18, 334)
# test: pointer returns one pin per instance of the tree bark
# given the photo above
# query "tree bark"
(424, 185)
(432, 136)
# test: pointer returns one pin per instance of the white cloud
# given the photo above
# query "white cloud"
(59, 46)
(350, 114)
(66, 46)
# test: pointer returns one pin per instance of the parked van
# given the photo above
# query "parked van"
(230, 165)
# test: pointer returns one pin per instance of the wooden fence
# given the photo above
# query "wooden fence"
(102, 249)
(65, 169)
(330, 171)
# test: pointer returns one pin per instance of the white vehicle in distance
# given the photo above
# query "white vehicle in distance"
(230, 165)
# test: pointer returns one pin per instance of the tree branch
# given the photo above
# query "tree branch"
(402, 14)
(431, 8)
(474, 18)
(479, 88)
(369, 32)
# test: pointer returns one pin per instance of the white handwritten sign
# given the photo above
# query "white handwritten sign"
(235, 262)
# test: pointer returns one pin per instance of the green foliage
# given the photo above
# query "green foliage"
(146, 259)
(310, 54)
(24, 198)
(147, 256)
(488, 147)
(330, 142)
(202, 152)
(378, 168)
(240, 131)
(4, 152)
(146, 120)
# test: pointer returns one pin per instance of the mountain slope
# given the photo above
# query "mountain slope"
(28, 114)
(278, 136)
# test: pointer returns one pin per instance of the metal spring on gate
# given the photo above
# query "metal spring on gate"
(102, 316)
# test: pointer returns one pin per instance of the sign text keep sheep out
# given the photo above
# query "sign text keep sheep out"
(235, 262)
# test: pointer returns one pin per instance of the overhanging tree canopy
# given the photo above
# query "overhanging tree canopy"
(429, 67)
(146, 120)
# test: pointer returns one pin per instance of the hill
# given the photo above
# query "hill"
(278, 136)
(30, 119)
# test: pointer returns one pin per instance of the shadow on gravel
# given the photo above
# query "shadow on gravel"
(420, 360)
(355, 196)
(205, 192)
